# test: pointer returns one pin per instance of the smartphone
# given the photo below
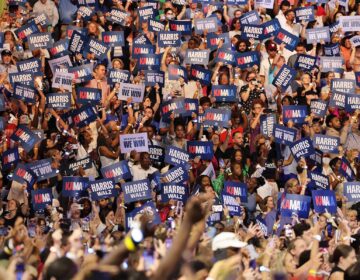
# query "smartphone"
(221, 163)
(168, 243)
(148, 260)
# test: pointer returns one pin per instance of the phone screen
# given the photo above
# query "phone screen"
(148, 260)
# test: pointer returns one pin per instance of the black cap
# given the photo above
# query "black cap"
(6, 52)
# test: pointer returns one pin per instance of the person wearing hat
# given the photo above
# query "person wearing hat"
(226, 244)
(7, 62)
(267, 61)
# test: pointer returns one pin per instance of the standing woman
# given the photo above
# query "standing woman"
(258, 107)
(343, 257)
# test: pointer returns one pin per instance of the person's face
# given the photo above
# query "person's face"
(224, 80)
(257, 109)
(170, 15)
(116, 64)
(317, 128)
(6, 59)
(205, 106)
(49, 143)
(180, 132)
(349, 260)
(103, 203)
(237, 25)
(330, 77)
(270, 203)
(92, 28)
(306, 79)
(87, 136)
(285, 8)
(110, 216)
(191, 44)
(335, 123)
(12, 205)
(57, 155)
(347, 44)
(237, 14)
(150, 132)
(145, 162)
(238, 156)
(101, 72)
(242, 47)
(300, 50)
(238, 139)
(209, 191)
(351, 216)
(294, 187)
(237, 169)
(216, 139)
(205, 181)
(322, 222)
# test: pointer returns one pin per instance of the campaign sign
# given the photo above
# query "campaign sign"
(157, 153)
(183, 26)
(42, 169)
(236, 189)
(136, 141)
(118, 76)
(226, 56)
(117, 171)
(169, 39)
(284, 135)
(148, 208)
(41, 198)
(318, 107)
(98, 48)
(142, 49)
(141, 39)
(40, 41)
(327, 144)
(284, 77)
(60, 48)
(154, 180)
(63, 62)
(73, 166)
(26, 78)
(209, 24)
(26, 30)
(271, 28)
(201, 74)
(176, 156)
(295, 113)
(305, 62)
(355, 41)
(177, 174)
(24, 175)
(349, 23)
(135, 91)
(155, 26)
(213, 40)
(338, 99)
(249, 31)
(331, 64)
(357, 78)
(324, 200)
(267, 4)
(101, 189)
(224, 93)
(231, 203)
(154, 77)
(304, 14)
(332, 50)
(58, 100)
(197, 57)
(287, 38)
(191, 105)
(63, 80)
(316, 157)
(318, 34)
(247, 59)
(217, 117)
(70, 29)
(176, 105)
(251, 17)
(136, 191)
(346, 170)
(203, 149)
(82, 73)
(25, 137)
(334, 27)
(342, 85)
(352, 191)
(118, 16)
(9, 157)
(74, 186)
(113, 38)
(146, 13)
(77, 42)
(42, 19)
(267, 123)
(29, 65)
(149, 62)
(318, 181)
(352, 102)
(176, 72)
(294, 203)
(173, 191)
(25, 93)
(85, 12)
(86, 95)
(302, 148)
(84, 116)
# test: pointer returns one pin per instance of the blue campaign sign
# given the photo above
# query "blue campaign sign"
(84, 116)
(169, 39)
(326, 144)
(226, 56)
(284, 135)
(141, 39)
(201, 74)
(138, 49)
(70, 29)
(338, 99)
(298, 204)
(297, 114)
(149, 208)
(352, 191)
(24, 175)
(173, 191)
(136, 191)
(98, 48)
(204, 149)
(352, 102)
(217, 117)
(85, 12)
(82, 73)
(85, 95)
(305, 62)
(2, 103)
(191, 106)
(236, 189)
(25, 137)
(60, 48)
(177, 175)
(267, 123)
(346, 170)
(26, 30)
(117, 16)
(75, 186)
(117, 171)
(305, 14)
(149, 62)
(331, 64)
(113, 38)
(318, 181)
(231, 203)
(29, 65)
(41, 198)
(155, 181)
(213, 40)
(332, 49)
(253, 31)
(9, 158)
(176, 156)
(209, 24)
(224, 93)
(147, 12)
(26, 78)
(176, 72)
(58, 100)
(247, 59)
(251, 17)
(155, 26)
(101, 189)
(154, 77)
(357, 78)
(334, 27)
(287, 38)
(77, 42)
(271, 28)
(40, 41)
(316, 158)
(183, 26)
(42, 169)
(284, 77)
(318, 107)
(176, 105)
(324, 200)
(118, 76)
(25, 93)
(302, 148)
(342, 85)
(73, 166)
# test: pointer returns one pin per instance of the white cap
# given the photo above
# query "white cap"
(227, 240)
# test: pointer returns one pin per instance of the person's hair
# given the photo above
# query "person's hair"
(291, 245)
(288, 98)
(197, 265)
(353, 272)
(329, 119)
(101, 140)
(61, 269)
(104, 213)
(288, 12)
(341, 250)
(142, 155)
(259, 102)
(99, 65)
(204, 100)
(289, 183)
(304, 257)
(264, 202)
(301, 44)
(232, 26)
(333, 162)
(285, 3)
(300, 228)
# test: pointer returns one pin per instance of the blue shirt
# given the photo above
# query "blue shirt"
(67, 11)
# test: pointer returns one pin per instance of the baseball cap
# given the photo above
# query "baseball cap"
(227, 240)
(270, 46)
(6, 52)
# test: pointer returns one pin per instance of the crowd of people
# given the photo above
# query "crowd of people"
(179, 139)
